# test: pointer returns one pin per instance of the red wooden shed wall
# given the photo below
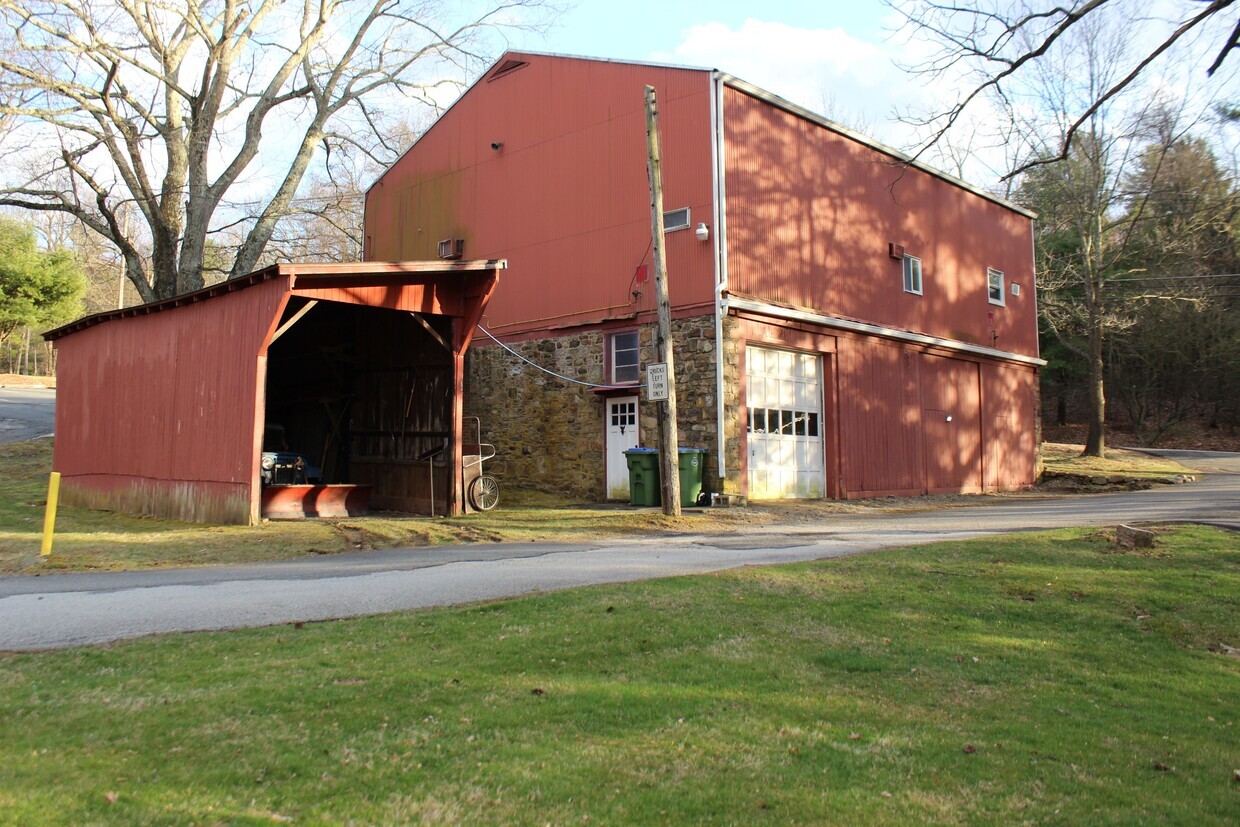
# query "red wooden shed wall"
(155, 414)
(566, 198)
(810, 214)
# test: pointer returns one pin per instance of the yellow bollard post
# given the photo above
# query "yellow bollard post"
(49, 517)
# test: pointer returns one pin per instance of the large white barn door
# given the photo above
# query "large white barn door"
(784, 397)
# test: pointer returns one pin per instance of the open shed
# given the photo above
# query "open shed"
(166, 409)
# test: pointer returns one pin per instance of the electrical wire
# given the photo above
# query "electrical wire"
(551, 372)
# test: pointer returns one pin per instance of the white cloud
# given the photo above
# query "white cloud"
(825, 70)
(856, 82)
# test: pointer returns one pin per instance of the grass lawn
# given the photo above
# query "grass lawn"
(103, 541)
(89, 540)
(1031, 679)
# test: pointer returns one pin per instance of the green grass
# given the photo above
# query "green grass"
(1031, 679)
(89, 540)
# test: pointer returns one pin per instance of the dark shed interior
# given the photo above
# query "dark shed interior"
(365, 395)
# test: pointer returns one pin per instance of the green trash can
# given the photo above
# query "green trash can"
(645, 483)
(691, 462)
(643, 476)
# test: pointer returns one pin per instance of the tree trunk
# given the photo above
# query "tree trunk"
(1061, 408)
(1095, 441)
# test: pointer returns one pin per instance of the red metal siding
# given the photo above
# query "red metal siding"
(879, 419)
(893, 430)
(1009, 425)
(155, 413)
(565, 198)
(951, 421)
(810, 214)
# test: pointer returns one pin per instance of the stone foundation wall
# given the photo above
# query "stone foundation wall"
(549, 433)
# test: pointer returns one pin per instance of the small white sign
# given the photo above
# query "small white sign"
(656, 382)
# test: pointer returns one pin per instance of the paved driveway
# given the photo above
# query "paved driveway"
(26, 413)
(68, 610)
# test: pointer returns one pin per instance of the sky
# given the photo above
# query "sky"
(842, 59)
(836, 58)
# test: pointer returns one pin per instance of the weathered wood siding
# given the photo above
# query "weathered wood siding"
(155, 414)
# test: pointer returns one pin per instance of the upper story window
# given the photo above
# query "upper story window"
(625, 358)
(676, 220)
(912, 275)
(994, 286)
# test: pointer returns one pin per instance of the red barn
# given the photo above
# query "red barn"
(847, 321)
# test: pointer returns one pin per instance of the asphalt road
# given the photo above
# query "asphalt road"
(56, 611)
(26, 413)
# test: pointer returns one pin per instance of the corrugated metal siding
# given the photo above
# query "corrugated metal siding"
(879, 418)
(155, 401)
(951, 423)
(893, 430)
(566, 198)
(810, 215)
(1008, 425)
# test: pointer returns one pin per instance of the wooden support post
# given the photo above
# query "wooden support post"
(669, 453)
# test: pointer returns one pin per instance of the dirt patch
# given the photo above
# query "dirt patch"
(14, 380)
(1188, 436)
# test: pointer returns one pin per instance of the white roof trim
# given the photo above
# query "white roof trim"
(902, 157)
(794, 315)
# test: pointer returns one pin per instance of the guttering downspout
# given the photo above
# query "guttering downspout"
(721, 260)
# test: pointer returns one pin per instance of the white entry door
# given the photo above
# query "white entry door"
(784, 397)
(621, 436)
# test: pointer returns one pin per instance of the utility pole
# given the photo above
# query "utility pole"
(669, 453)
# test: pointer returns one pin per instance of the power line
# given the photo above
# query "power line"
(545, 370)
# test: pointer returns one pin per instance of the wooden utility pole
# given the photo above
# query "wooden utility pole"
(669, 441)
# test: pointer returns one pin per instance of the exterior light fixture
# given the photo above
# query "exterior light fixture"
(702, 231)
(497, 145)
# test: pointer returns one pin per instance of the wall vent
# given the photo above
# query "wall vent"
(676, 220)
(507, 68)
(451, 248)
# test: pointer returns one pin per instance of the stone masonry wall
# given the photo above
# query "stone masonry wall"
(549, 433)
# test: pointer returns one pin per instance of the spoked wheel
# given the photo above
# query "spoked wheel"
(484, 493)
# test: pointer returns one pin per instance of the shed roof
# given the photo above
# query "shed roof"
(360, 275)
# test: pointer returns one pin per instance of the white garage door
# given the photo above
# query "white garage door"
(784, 397)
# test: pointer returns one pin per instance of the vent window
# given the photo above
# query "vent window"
(676, 220)
(507, 68)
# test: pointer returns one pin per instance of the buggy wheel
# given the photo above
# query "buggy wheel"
(484, 493)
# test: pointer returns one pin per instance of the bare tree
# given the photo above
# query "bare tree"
(993, 46)
(205, 116)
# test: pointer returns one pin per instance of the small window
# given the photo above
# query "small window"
(625, 356)
(994, 285)
(912, 275)
(676, 220)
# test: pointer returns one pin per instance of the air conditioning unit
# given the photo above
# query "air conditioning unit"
(451, 248)
(895, 250)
